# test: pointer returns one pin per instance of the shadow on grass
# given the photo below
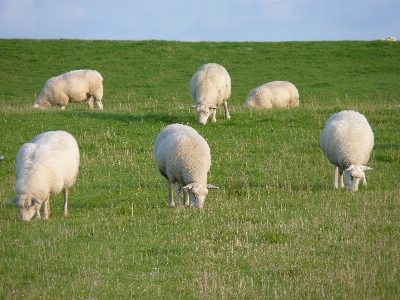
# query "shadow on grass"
(127, 118)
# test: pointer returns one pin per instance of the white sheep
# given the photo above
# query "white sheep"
(275, 94)
(45, 166)
(347, 141)
(73, 86)
(183, 157)
(210, 86)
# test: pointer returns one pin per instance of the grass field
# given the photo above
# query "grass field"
(274, 230)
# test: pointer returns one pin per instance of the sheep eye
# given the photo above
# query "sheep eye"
(351, 177)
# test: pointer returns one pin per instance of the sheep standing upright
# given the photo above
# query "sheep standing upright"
(210, 86)
(183, 157)
(347, 141)
(275, 94)
(73, 86)
(45, 166)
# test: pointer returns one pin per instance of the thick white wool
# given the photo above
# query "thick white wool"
(210, 87)
(275, 94)
(73, 86)
(183, 157)
(347, 141)
(45, 166)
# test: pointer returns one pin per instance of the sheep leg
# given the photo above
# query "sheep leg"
(171, 201)
(65, 210)
(38, 217)
(89, 101)
(99, 104)
(364, 181)
(214, 116)
(341, 184)
(336, 177)
(186, 197)
(178, 195)
(227, 115)
(46, 212)
(63, 100)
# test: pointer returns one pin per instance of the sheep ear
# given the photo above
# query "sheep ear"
(194, 106)
(365, 168)
(212, 107)
(350, 168)
(35, 201)
(188, 187)
(212, 187)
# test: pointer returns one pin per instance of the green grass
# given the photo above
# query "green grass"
(274, 230)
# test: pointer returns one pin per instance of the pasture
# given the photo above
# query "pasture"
(275, 229)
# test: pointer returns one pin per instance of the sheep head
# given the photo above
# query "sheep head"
(27, 205)
(197, 193)
(203, 112)
(353, 175)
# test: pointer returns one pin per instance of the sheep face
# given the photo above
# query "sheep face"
(353, 175)
(197, 193)
(27, 205)
(203, 112)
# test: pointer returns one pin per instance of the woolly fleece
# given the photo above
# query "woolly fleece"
(210, 87)
(73, 86)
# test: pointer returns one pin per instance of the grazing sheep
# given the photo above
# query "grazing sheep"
(183, 157)
(210, 86)
(275, 94)
(45, 166)
(73, 86)
(347, 141)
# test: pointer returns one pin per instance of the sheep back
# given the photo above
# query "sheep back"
(211, 84)
(275, 94)
(182, 155)
(73, 86)
(347, 139)
(210, 87)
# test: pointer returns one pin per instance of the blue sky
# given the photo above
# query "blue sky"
(201, 20)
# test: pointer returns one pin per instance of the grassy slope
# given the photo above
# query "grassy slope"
(275, 229)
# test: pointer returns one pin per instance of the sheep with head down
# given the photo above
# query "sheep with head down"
(73, 86)
(275, 94)
(210, 87)
(45, 166)
(347, 141)
(183, 157)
